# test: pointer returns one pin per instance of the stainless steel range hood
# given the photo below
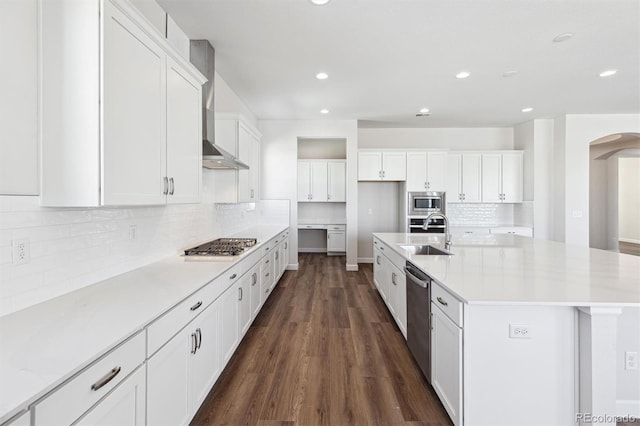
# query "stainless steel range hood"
(202, 56)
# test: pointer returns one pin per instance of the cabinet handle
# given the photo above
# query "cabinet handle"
(252, 193)
(431, 321)
(328, 196)
(428, 185)
(165, 185)
(328, 236)
(199, 332)
(267, 261)
(196, 306)
(267, 274)
(171, 186)
(382, 248)
(277, 253)
(106, 378)
(233, 276)
(254, 279)
(194, 343)
(393, 278)
(378, 260)
(442, 301)
(286, 245)
(240, 293)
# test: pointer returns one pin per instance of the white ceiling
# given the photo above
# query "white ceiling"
(386, 59)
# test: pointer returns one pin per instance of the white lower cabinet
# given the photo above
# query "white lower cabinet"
(336, 239)
(446, 362)
(244, 304)
(398, 297)
(125, 406)
(229, 322)
(380, 267)
(390, 279)
(255, 289)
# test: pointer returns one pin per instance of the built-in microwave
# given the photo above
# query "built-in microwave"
(425, 203)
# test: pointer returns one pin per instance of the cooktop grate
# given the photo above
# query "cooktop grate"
(222, 247)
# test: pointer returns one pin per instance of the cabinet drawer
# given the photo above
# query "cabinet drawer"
(71, 400)
(165, 327)
(312, 226)
(337, 227)
(266, 263)
(451, 306)
(229, 277)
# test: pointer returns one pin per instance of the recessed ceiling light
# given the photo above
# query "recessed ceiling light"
(320, 2)
(424, 110)
(607, 73)
(322, 76)
(562, 37)
(324, 111)
(528, 109)
(463, 74)
(509, 73)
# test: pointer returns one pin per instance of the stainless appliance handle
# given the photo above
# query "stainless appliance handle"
(416, 280)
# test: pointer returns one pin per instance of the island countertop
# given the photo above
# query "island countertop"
(510, 269)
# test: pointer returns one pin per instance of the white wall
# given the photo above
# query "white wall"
(629, 199)
(573, 134)
(628, 381)
(442, 138)
(611, 207)
(599, 203)
(226, 100)
(279, 169)
(377, 212)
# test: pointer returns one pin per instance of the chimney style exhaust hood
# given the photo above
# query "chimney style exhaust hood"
(202, 56)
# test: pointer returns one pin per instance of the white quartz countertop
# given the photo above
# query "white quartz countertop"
(44, 345)
(498, 268)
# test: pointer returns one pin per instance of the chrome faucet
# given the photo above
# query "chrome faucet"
(447, 234)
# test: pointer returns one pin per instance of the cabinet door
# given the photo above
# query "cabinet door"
(285, 255)
(254, 172)
(205, 364)
(512, 183)
(446, 362)
(319, 181)
(471, 178)
(336, 181)
(133, 109)
(184, 136)
(19, 100)
(244, 305)
(369, 166)
(336, 241)
(229, 322)
(454, 178)
(277, 261)
(394, 166)
(398, 296)
(167, 382)
(304, 181)
(436, 171)
(125, 406)
(491, 178)
(244, 154)
(416, 171)
(380, 274)
(255, 289)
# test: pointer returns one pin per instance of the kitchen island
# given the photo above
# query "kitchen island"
(537, 323)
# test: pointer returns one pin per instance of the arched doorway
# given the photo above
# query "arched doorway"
(614, 192)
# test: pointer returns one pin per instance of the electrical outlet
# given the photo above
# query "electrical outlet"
(631, 360)
(21, 250)
(518, 331)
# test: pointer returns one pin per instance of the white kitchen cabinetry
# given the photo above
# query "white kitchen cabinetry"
(390, 279)
(380, 272)
(337, 181)
(126, 131)
(385, 165)
(502, 177)
(240, 139)
(244, 304)
(125, 406)
(88, 389)
(19, 101)
(312, 181)
(229, 337)
(336, 239)
(255, 289)
(464, 178)
(446, 351)
(426, 171)
(398, 296)
(23, 419)
(515, 230)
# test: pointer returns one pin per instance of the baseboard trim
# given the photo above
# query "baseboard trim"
(293, 266)
(628, 407)
(365, 260)
(629, 240)
(352, 267)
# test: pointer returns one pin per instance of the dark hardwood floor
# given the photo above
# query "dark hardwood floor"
(323, 351)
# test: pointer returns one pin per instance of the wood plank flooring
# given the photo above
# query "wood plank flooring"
(323, 351)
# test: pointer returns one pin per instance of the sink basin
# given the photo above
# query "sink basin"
(425, 249)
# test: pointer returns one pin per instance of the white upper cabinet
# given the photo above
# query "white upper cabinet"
(128, 130)
(321, 181)
(385, 165)
(464, 178)
(426, 171)
(239, 138)
(502, 177)
(19, 101)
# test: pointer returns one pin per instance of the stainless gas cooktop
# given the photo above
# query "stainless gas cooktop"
(222, 247)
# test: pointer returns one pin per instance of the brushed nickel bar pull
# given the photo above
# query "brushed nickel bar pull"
(239, 293)
(199, 338)
(194, 343)
(233, 276)
(165, 183)
(254, 279)
(196, 306)
(171, 186)
(106, 379)
(442, 301)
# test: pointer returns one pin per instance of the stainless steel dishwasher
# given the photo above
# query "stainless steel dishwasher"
(418, 313)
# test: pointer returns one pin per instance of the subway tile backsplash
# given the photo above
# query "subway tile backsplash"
(473, 214)
(73, 248)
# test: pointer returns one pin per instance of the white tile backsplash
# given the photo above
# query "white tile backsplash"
(472, 214)
(73, 248)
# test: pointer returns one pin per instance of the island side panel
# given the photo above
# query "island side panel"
(524, 381)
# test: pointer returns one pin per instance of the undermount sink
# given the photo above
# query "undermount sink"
(425, 250)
